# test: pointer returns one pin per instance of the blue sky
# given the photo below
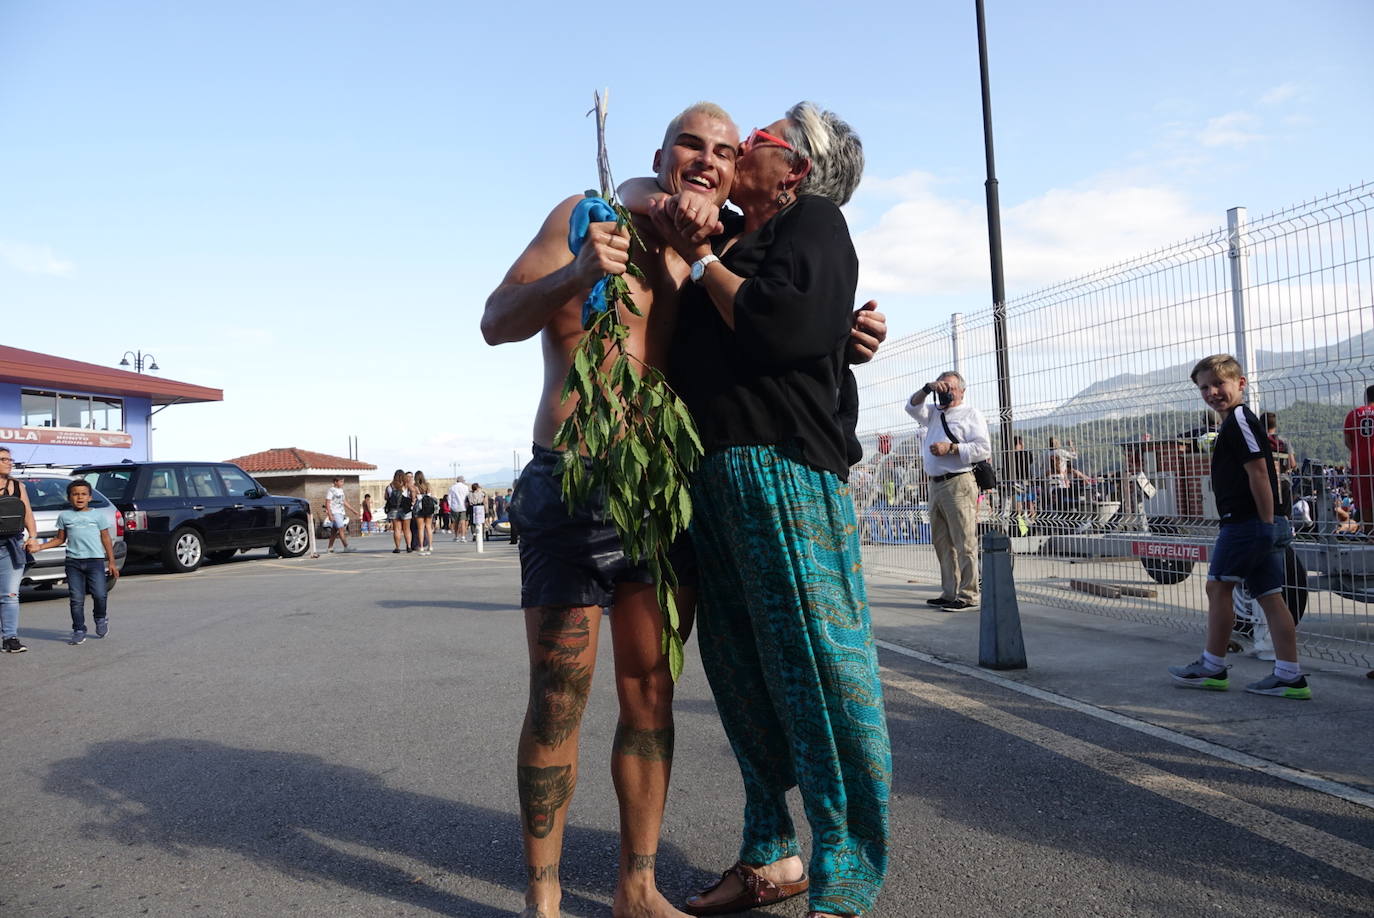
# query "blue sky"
(307, 203)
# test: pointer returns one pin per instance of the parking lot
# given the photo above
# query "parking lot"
(336, 737)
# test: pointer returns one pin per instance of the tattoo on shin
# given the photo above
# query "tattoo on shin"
(654, 745)
(543, 792)
(542, 873)
(558, 683)
(642, 861)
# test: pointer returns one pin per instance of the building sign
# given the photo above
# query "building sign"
(1173, 551)
(65, 436)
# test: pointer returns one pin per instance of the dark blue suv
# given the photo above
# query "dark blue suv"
(185, 512)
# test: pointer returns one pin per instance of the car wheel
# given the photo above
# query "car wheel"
(1167, 571)
(184, 552)
(219, 557)
(295, 539)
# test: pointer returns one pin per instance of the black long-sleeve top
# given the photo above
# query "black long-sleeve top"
(779, 378)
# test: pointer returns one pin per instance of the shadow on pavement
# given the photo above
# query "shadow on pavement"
(466, 605)
(309, 818)
(1016, 795)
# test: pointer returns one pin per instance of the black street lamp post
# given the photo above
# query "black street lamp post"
(140, 359)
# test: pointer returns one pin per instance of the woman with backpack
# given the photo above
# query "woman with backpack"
(16, 521)
(398, 506)
(425, 508)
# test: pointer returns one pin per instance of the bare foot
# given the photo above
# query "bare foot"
(646, 904)
(786, 870)
(534, 911)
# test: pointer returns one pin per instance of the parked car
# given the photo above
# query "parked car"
(185, 512)
(47, 489)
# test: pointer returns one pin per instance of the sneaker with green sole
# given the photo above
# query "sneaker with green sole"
(1271, 684)
(1199, 676)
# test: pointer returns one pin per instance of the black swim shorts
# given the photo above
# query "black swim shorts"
(572, 559)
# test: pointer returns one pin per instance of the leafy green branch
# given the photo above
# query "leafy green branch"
(640, 439)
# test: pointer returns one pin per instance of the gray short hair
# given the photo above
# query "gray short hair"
(709, 109)
(835, 151)
(953, 374)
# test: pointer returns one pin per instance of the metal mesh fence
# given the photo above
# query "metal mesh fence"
(1106, 490)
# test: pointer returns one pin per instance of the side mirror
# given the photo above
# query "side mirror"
(254, 493)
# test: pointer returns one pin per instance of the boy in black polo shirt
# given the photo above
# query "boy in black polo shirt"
(1249, 548)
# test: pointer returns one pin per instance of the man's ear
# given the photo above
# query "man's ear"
(658, 160)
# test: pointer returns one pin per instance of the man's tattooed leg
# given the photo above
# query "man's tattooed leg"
(559, 685)
(542, 873)
(654, 745)
(642, 861)
(543, 792)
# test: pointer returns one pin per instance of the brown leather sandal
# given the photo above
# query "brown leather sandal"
(758, 891)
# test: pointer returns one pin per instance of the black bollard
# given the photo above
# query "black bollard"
(1000, 645)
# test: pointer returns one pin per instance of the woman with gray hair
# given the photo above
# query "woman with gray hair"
(785, 638)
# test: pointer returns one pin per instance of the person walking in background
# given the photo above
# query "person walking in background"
(90, 556)
(477, 505)
(1021, 488)
(956, 438)
(1359, 440)
(336, 508)
(398, 506)
(425, 508)
(17, 531)
(458, 506)
(1250, 546)
(366, 515)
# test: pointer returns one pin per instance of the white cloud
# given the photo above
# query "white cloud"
(1233, 129)
(1279, 94)
(926, 244)
(33, 259)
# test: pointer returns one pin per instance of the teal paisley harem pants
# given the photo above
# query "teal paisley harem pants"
(787, 646)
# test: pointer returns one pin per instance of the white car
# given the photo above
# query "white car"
(47, 488)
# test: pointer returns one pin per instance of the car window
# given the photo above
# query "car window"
(47, 494)
(202, 482)
(235, 482)
(113, 483)
(161, 481)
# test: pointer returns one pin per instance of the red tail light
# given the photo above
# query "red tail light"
(119, 524)
(136, 519)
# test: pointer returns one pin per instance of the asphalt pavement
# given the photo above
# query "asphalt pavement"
(336, 737)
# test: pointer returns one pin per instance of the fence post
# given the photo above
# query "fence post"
(956, 341)
(1239, 254)
(1000, 645)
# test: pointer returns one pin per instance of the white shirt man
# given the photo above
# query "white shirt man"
(458, 507)
(953, 491)
(336, 505)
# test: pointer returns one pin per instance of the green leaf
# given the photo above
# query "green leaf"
(677, 656)
(684, 506)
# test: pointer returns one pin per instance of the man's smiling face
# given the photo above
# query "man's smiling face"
(700, 158)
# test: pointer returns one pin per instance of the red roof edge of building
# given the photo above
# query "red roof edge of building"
(31, 368)
(295, 459)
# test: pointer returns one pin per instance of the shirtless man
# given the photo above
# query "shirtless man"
(572, 565)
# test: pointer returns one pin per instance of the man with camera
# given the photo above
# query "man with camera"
(955, 438)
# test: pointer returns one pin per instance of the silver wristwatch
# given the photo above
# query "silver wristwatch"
(699, 267)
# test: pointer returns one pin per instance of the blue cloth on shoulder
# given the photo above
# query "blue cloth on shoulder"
(589, 210)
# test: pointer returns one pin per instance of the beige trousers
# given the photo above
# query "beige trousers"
(954, 530)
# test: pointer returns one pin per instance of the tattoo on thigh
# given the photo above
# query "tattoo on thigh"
(563, 632)
(542, 873)
(558, 696)
(654, 745)
(642, 861)
(543, 792)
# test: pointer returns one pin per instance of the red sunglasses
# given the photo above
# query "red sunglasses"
(758, 136)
